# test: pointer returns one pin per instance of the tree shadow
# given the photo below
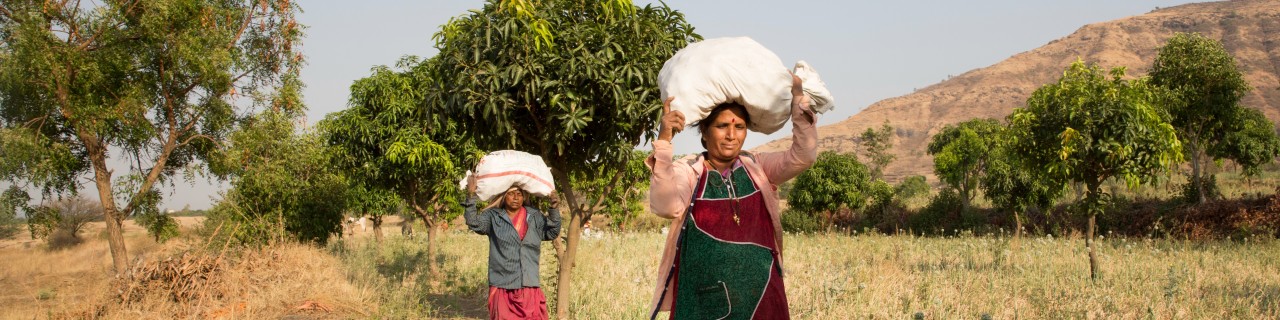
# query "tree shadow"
(459, 305)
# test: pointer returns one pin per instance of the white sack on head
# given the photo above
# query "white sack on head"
(500, 170)
(716, 71)
(820, 99)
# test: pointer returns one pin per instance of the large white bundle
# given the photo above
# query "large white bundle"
(715, 71)
(499, 170)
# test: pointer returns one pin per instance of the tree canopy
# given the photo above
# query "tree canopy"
(1088, 128)
(961, 154)
(392, 138)
(159, 80)
(836, 181)
(573, 82)
(1206, 87)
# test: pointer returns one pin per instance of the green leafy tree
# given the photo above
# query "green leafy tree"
(572, 82)
(876, 144)
(960, 155)
(836, 181)
(13, 202)
(390, 138)
(1014, 186)
(1087, 128)
(593, 185)
(1254, 145)
(147, 214)
(377, 203)
(158, 80)
(1207, 87)
(911, 188)
(283, 184)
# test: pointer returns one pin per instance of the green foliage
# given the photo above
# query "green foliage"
(1192, 192)
(158, 81)
(283, 184)
(960, 154)
(43, 221)
(1206, 86)
(13, 202)
(876, 143)
(390, 139)
(581, 91)
(1254, 145)
(160, 226)
(942, 213)
(884, 205)
(911, 188)
(1087, 128)
(835, 181)
(796, 222)
(1014, 186)
(634, 180)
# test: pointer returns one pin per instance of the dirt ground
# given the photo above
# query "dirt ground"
(76, 282)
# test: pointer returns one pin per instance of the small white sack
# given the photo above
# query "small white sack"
(499, 170)
(737, 69)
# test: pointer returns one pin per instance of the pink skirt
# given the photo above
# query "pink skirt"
(523, 303)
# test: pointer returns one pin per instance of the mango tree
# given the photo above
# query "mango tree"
(836, 181)
(573, 82)
(389, 138)
(159, 81)
(1088, 128)
(960, 155)
(1207, 87)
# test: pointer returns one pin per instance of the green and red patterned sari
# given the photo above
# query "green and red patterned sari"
(727, 266)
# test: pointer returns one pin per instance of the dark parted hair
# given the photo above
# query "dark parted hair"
(706, 122)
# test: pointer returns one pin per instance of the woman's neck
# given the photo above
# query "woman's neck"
(719, 164)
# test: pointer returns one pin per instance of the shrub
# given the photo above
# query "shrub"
(60, 223)
(1211, 190)
(798, 222)
(942, 212)
(12, 201)
(160, 226)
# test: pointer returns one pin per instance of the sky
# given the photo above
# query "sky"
(865, 51)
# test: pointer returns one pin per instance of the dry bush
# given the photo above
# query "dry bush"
(1230, 218)
(183, 281)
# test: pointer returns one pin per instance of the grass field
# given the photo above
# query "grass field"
(872, 276)
(828, 276)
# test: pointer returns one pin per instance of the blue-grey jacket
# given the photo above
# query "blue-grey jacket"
(513, 263)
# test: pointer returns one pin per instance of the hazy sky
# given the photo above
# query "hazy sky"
(866, 51)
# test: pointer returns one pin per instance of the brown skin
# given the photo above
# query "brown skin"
(723, 138)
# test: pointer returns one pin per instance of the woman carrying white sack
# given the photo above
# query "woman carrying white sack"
(724, 259)
(516, 232)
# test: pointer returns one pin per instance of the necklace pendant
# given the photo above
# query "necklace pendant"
(736, 221)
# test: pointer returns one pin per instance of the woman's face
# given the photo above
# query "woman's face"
(725, 134)
(514, 199)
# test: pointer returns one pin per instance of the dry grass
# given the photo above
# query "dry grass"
(877, 276)
(178, 279)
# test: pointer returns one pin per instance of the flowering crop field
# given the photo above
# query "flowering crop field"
(831, 276)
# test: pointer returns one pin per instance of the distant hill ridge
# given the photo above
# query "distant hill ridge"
(1249, 30)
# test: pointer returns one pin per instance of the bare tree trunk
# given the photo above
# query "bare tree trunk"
(377, 227)
(1093, 205)
(1093, 255)
(433, 233)
(565, 277)
(1017, 235)
(1197, 171)
(110, 214)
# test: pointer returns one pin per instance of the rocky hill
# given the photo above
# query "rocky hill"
(1250, 30)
